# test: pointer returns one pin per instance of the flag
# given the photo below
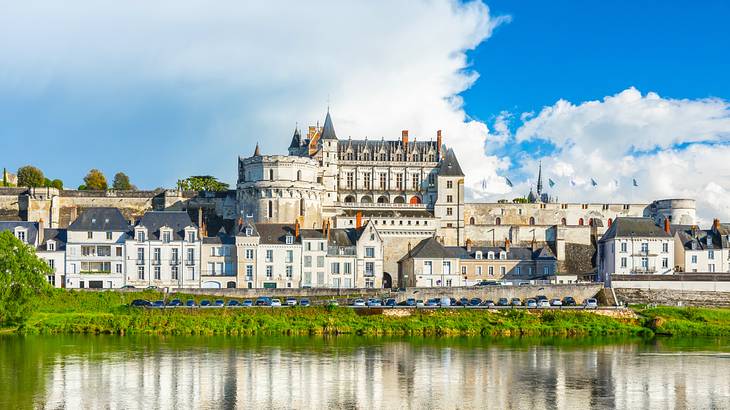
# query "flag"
(635, 183)
(615, 181)
(484, 184)
(551, 182)
(572, 183)
(593, 182)
(509, 183)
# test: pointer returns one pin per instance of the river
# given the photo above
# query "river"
(80, 372)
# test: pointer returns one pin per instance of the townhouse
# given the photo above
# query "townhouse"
(702, 250)
(218, 258)
(49, 244)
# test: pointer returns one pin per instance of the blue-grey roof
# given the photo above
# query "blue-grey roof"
(328, 130)
(32, 228)
(177, 220)
(58, 235)
(449, 166)
(100, 219)
(627, 227)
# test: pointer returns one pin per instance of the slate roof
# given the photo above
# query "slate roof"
(58, 235)
(296, 139)
(275, 234)
(177, 220)
(390, 147)
(32, 228)
(220, 239)
(429, 248)
(328, 130)
(693, 238)
(626, 227)
(449, 166)
(100, 219)
(247, 223)
(515, 253)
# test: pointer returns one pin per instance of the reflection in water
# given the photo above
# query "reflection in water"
(125, 372)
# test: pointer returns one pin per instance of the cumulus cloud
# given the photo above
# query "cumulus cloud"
(672, 147)
(167, 89)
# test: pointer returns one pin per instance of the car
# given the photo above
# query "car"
(433, 302)
(488, 283)
(531, 303)
(556, 302)
(374, 302)
(445, 302)
(475, 302)
(275, 302)
(488, 303)
(419, 303)
(158, 303)
(127, 287)
(410, 302)
(390, 302)
(291, 301)
(189, 303)
(358, 303)
(140, 303)
(151, 287)
(174, 302)
(541, 297)
(304, 302)
(204, 303)
(543, 303)
(233, 303)
(568, 301)
(463, 302)
(263, 301)
(503, 302)
(516, 302)
(247, 303)
(218, 302)
(591, 303)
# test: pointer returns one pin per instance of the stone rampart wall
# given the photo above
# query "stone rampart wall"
(672, 297)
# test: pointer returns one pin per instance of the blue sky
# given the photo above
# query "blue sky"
(609, 90)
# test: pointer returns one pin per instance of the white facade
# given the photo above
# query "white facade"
(95, 259)
(279, 265)
(53, 252)
(218, 264)
(163, 261)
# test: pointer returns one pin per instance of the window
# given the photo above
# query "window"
(271, 175)
(174, 257)
(140, 272)
(369, 252)
(490, 255)
(335, 268)
(711, 267)
(490, 270)
(427, 267)
(289, 271)
(211, 268)
(299, 175)
(307, 261)
(51, 263)
(532, 220)
(320, 261)
(518, 270)
(644, 247)
(449, 211)
(446, 268)
(623, 246)
(665, 247)
(191, 236)
(431, 179)
(289, 256)
(271, 209)
(191, 255)
(502, 270)
(119, 251)
(346, 268)
(366, 180)
(89, 235)
(448, 282)
(289, 239)
(665, 263)
(249, 271)
(108, 236)
(479, 270)
(269, 255)
(463, 270)
(321, 246)
(498, 221)
(478, 255)
(20, 234)
(471, 221)
(156, 255)
(166, 237)
(694, 258)
(349, 178)
(545, 270)
(416, 181)
(503, 255)
(645, 263)
(710, 254)
(449, 184)
(383, 178)
(157, 273)
(449, 198)
(174, 272)
(140, 254)
(399, 182)
(623, 262)
(191, 273)
(51, 246)
(249, 253)
(369, 268)
(140, 236)
(269, 271)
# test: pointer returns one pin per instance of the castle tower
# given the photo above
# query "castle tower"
(449, 206)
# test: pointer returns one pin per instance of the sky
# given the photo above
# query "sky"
(609, 91)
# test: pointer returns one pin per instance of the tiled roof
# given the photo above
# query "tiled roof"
(429, 248)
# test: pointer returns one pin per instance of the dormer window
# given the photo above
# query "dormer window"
(140, 236)
(289, 239)
(249, 231)
(21, 234)
(166, 236)
(709, 241)
(490, 255)
(478, 255)
(191, 236)
(503, 255)
(51, 246)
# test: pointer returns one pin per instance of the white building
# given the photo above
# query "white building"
(279, 257)
(164, 251)
(635, 246)
(699, 250)
(218, 261)
(52, 249)
(95, 253)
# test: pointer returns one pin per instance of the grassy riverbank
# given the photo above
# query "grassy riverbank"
(69, 312)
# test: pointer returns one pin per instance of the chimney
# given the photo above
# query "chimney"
(438, 143)
(666, 225)
(715, 225)
(358, 220)
(200, 222)
(409, 248)
(404, 138)
(329, 229)
(468, 245)
(296, 229)
(534, 245)
(41, 228)
(506, 245)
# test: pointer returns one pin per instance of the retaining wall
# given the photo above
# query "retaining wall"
(670, 297)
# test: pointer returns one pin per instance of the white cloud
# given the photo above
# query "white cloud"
(250, 70)
(673, 147)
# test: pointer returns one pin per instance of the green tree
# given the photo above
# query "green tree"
(202, 183)
(22, 277)
(30, 176)
(520, 200)
(46, 182)
(95, 180)
(121, 182)
(57, 183)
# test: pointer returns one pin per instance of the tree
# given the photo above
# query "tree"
(121, 182)
(57, 183)
(95, 180)
(202, 183)
(30, 176)
(520, 200)
(22, 277)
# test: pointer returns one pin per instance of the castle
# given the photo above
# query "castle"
(409, 189)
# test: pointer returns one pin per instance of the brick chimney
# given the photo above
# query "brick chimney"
(715, 225)
(666, 225)
(438, 143)
(468, 245)
(404, 138)
(296, 229)
(329, 230)
(506, 245)
(358, 220)
(41, 228)
(200, 223)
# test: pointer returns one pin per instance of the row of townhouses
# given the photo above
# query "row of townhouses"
(101, 249)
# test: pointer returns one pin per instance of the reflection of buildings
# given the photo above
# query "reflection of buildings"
(353, 373)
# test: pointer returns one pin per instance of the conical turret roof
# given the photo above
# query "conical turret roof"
(328, 131)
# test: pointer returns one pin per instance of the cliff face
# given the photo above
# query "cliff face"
(579, 259)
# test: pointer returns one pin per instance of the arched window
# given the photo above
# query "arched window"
(271, 209)
(299, 175)
(532, 220)
(399, 200)
(349, 198)
(415, 200)
(383, 199)
(563, 222)
(231, 285)
(580, 221)
(366, 199)
(301, 207)
(471, 221)
(271, 175)
(498, 221)
(590, 221)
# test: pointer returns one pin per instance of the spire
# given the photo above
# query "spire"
(257, 151)
(296, 140)
(539, 180)
(328, 131)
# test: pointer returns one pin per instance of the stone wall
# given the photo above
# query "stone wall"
(669, 297)
(579, 291)
(578, 259)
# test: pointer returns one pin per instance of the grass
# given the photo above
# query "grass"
(687, 321)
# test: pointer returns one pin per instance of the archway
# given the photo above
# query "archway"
(211, 285)
(366, 199)
(231, 285)
(349, 198)
(382, 199)
(399, 200)
(471, 221)
(387, 280)
(415, 200)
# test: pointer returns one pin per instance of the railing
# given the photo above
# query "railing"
(356, 205)
(643, 270)
(156, 262)
(189, 262)
(174, 262)
(217, 273)
(140, 261)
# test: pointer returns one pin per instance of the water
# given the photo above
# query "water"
(80, 372)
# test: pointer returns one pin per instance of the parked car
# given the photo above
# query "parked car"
(374, 302)
(151, 287)
(568, 301)
(218, 302)
(233, 303)
(503, 302)
(410, 302)
(304, 302)
(488, 303)
(390, 302)
(204, 303)
(140, 303)
(488, 283)
(531, 303)
(556, 302)
(433, 303)
(419, 303)
(263, 301)
(541, 297)
(543, 303)
(247, 303)
(291, 301)
(275, 302)
(158, 303)
(358, 303)
(189, 303)
(463, 302)
(445, 302)
(516, 302)
(591, 303)
(174, 302)
(475, 302)
(127, 287)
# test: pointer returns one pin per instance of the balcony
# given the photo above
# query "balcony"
(646, 253)
(174, 262)
(140, 262)
(189, 262)
(376, 205)
(643, 270)
(156, 262)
